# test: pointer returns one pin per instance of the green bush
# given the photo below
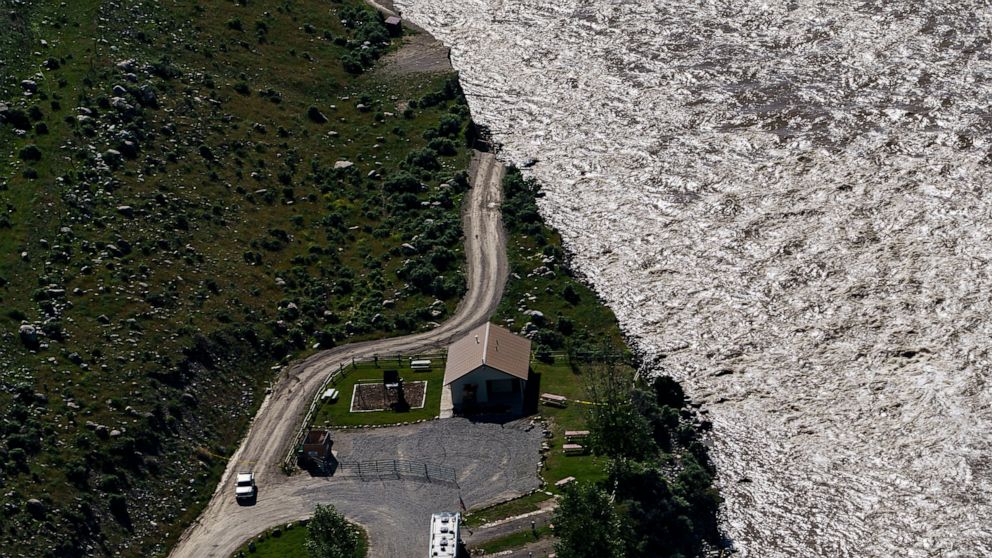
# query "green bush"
(30, 153)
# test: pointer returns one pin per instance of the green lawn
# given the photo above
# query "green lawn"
(287, 542)
(570, 381)
(338, 413)
(518, 506)
(515, 540)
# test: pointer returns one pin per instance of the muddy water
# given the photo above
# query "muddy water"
(787, 203)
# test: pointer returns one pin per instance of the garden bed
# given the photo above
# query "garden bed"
(374, 396)
(423, 392)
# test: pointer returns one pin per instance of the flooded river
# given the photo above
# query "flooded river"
(787, 204)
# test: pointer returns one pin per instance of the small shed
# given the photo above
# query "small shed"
(487, 371)
(317, 446)
(395, 25)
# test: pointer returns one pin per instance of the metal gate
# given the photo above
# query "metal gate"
(396, 468)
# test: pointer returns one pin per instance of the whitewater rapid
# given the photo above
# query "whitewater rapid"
(787, 204)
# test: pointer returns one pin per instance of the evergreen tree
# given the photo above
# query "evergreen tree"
(586, 524)
(329, 535)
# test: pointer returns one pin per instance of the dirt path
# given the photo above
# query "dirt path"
(220, 529)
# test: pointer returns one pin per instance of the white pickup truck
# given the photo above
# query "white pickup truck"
(244, 489)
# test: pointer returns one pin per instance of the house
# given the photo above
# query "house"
(487, 371)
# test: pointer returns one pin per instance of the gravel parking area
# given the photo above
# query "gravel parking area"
(492, 463)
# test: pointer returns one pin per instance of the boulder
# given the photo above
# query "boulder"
(36, 508)
(343, 164)
(147, 96)
(129, 149)
(29, 335)
(29, 85)
(112, 157)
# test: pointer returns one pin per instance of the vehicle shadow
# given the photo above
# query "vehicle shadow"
(249, 501)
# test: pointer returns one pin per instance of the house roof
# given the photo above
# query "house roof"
(488, 345)
(317, 437)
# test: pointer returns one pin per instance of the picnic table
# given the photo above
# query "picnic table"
(573, 449)
(576, 434)
(554, 400)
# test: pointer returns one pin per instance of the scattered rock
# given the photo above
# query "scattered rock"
(125, 210)
(29, 85)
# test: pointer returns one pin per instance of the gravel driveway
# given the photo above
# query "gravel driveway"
(491, 462)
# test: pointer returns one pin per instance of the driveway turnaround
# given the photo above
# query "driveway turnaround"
(223, 525)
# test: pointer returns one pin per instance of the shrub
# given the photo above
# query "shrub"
(423, 158)
(314, 114)
(30, 153)
(449, 126)
(443, 146)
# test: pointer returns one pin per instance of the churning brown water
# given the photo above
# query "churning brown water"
(788, 204)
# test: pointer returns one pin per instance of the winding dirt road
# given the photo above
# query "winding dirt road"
(224, 525)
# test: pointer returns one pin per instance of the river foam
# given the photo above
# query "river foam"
(786, 203)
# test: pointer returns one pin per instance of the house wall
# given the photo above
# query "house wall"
(318, 450)
(479, 377)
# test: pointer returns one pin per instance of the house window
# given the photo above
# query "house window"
(503, 387)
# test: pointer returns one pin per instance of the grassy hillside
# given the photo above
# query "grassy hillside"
(192, 192)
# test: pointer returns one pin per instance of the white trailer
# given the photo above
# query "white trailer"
(444, 535)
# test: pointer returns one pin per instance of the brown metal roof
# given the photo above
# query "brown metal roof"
(491, 345)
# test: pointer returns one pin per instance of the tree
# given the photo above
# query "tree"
(617, 427)
(586, 524)
(329, 535)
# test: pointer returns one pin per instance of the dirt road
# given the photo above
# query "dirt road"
(220, 529)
